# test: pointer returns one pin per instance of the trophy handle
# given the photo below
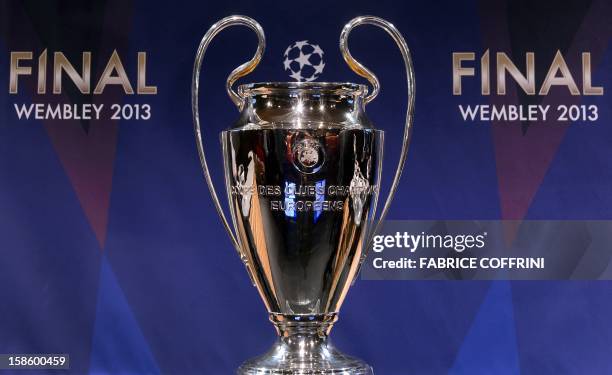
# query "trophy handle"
(361, 70)
(238, 100)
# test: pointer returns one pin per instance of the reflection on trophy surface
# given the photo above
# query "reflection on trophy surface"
(302, 172)
(298, 215)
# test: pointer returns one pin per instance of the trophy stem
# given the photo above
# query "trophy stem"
(303, 348)
(288, 326)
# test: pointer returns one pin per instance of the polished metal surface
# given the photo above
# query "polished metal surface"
(303, 348)
(302, 171)
(240, 71)
(302, 229)
(358, 68)
(303, 104)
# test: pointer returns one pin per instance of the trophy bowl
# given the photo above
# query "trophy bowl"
(302, 168)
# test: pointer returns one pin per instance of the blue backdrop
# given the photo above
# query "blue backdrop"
(111, 250)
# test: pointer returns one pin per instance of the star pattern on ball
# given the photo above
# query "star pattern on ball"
(304, 61)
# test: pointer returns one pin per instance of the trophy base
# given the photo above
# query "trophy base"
(322, 359)
(303, 348)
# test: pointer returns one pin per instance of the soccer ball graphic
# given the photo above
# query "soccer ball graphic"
(304, 61)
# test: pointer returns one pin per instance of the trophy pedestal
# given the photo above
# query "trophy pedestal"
(303, 348)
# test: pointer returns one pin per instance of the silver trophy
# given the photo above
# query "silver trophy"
(302, 173)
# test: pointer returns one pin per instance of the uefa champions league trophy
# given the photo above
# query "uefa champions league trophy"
(302, 173)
